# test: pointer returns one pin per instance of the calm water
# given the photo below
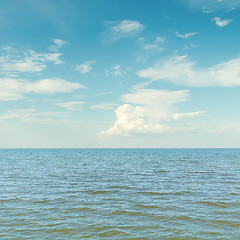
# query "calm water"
(119, 194)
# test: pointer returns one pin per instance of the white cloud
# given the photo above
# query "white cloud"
(127, 27)
(25, 65)
(178, 116)
(156, 45)
(30, 115)
(86, 67)
(130, 119)
(150, 49)
(105, 93)
(19, 113)
(8, 49)
(148, 111)
(123, 29)
(221, 23)
(29, 63)
(10, 96)
(118, 71)
(155, 97)
(45, 57)
(58, 43)
(103, 106)
(51, 86)
(14, 89)
(179, 70)
(186, 35)
(73, 105)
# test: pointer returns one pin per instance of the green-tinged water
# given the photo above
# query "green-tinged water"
(119, 194)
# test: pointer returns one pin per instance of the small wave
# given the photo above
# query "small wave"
(83, 209)
(122, 187)
(113, 233)
(8, 200)
(129, 213)
(184, 218)
(161, 193)
(62, 231)
(226, 223)
(142, 206)
(102, 192)
(161, 171)
(220, 204)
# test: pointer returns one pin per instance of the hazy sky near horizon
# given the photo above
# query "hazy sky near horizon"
(119, 73)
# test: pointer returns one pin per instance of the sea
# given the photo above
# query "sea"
(65, 194)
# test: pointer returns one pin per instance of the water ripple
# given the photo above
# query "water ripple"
(119, 194)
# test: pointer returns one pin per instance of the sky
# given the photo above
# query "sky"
(119, 73)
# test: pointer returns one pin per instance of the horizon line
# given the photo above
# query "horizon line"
(119, 147)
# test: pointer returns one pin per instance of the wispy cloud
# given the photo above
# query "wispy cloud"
(86, 67)
(149, 49)
(14, 89)
(156, 46)
(44, 57)
(104, 106)
(221, 23)
(123, 29)
(149, 111)
(116, 70)
(73, 105)
(10, 96)
(57, 44)
(30, 115)
(105, 93)
(181, 71)
(214, 5)
(30, 62)
(24, 65)
(185, 35)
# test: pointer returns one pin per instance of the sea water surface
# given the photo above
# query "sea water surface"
(119, 194)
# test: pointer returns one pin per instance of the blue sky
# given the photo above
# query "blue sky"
(119, 73)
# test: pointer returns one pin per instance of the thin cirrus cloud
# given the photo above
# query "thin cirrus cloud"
(86, 67)
(150, 49)
(181, 71)
(221, 23)
(72, 105)
(122, 29)
(149, 111)
(186, 35)
(214, 5)
(14, 89)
